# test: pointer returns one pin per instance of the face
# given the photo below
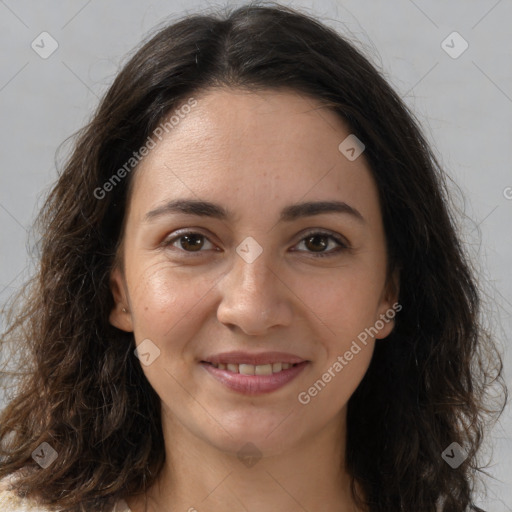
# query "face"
(256, 278)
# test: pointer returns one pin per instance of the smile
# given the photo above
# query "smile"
(252, 379)
(251, 369)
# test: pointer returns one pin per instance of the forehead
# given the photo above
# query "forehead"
(237, 122)
(253, 146)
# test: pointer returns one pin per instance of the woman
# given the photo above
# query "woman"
(251, 294)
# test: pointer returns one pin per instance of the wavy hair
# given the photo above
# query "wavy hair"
(84, 392)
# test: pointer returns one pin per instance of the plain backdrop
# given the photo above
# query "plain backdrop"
(463, 100)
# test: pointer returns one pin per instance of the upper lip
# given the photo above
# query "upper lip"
(239, 357)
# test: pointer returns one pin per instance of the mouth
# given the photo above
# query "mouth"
(251, 369)
(254, 374)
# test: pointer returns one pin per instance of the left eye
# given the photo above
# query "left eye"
(317, 241)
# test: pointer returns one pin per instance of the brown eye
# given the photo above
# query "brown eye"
(316, 243)
(189, 241)
(192, 242)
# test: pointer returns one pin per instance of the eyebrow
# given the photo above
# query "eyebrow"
(289, 213)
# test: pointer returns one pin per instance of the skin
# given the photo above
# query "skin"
(254, 154)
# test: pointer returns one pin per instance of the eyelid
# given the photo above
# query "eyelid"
(321, 231)
(176, 235)
(342, 242)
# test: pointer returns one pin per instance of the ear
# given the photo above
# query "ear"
(119, 318)
(388, 307)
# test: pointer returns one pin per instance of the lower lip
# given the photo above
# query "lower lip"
(255, 384)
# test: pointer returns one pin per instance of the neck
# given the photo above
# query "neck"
(199, 476)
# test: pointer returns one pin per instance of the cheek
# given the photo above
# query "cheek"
(345, 300)
(167, 303)
(338, 381)
(164, 296)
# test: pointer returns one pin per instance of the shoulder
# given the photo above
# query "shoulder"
(11, 502)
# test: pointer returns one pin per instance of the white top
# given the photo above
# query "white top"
(11, 502)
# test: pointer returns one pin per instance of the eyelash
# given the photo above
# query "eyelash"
(341, 244)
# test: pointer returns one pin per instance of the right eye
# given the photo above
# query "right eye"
(189, 242)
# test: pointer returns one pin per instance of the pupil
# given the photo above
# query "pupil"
(195, 244)
(323, 244)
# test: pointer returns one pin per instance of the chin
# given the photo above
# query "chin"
(252, 442)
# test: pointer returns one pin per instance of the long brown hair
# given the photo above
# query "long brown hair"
(84, 392)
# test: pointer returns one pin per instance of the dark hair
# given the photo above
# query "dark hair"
(86, 395)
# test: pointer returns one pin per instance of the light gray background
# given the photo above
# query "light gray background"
(464, 105)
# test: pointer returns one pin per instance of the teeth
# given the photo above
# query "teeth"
(263, 369)
(246, 369)
(251, 369)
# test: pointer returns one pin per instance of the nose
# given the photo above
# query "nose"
(254, 297)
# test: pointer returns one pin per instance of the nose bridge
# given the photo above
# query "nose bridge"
(254, 277)
(251, 296)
